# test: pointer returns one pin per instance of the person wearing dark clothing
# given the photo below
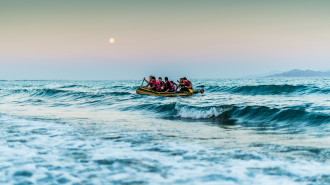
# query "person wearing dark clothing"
(154, 84)
(150, 81)
(162, 84)
(186, 85)
(180, 82)
(168, 86)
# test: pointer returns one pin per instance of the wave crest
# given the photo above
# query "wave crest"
(254, 116)
(200, 112)
(268, 89)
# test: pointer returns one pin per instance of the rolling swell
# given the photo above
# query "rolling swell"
(251, 116)
(194, 108)
(268, 89)
(290, 116)
(256, 115)
(64, 93)
(73, 86)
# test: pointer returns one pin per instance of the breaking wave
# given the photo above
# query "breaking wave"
(269, 89)
(243, 115)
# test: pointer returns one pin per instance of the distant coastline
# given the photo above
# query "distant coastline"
(300, 73)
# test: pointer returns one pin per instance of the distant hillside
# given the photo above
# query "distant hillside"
(301, 73)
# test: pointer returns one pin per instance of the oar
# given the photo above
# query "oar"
(142, 82)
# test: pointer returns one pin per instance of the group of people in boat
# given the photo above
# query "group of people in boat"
(168, 86)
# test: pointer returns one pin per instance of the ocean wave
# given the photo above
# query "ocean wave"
(255, 116)
(259, 116)
(62, 92)
(320, 91)
(120, 93)
(166, 108)
(192, 112)
(72, 86)
(268, 89)
(48, 92)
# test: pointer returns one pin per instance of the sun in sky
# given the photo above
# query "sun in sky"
(112, 40)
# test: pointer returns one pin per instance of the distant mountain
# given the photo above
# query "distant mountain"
(261, 75)
(301, 73)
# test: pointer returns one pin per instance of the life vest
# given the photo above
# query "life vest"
(174, 86)
(187, 83)
(171, 85)
(158, 84)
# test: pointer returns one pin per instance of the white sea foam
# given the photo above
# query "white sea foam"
(198, 113)
(149, 149)
(48, 153)
(53, 86)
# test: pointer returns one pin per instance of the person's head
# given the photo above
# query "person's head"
(181, 80)
(166, 79)
(150, 77)
(160, 79)
(184, 79)
(153, 78)
(172, 82)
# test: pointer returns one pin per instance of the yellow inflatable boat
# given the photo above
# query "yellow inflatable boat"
(143, 90)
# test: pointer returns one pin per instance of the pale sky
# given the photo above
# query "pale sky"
(69, 39)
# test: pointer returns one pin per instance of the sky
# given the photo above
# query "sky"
(69, 39)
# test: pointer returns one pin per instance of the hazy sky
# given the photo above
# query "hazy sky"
(69, 39)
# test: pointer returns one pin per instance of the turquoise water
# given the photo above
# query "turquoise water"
(258, 131)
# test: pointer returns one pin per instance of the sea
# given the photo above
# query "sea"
(240, 131)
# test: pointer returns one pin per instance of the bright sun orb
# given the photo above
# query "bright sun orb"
(112, 40)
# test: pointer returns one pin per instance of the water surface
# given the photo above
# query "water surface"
(258, 131)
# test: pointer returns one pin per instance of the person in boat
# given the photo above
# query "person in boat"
(162, 84)
(180, 84)
(168, 86)
(174, 86)
(150, 81)
(186, 85)
(154, 84)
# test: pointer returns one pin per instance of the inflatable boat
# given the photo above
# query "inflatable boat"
(143, 90)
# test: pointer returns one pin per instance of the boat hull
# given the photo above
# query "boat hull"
(142, 90)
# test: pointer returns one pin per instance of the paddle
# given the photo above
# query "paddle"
(142, 82)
